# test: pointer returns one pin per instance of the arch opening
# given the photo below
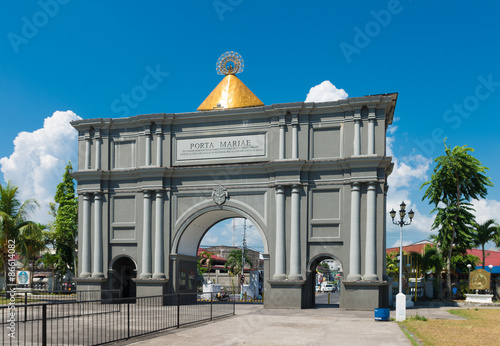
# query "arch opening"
(122, 272)
(188, 241)
(325, 281)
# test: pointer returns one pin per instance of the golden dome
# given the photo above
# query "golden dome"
(230, 93)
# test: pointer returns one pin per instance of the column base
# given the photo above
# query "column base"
(145, 276)
(85, 275)
(353, 277)
(152, 287)
(98, 275)
(279, 277)
(159, 276)
(364, 295)
(295, 277)
(285, 294)
(370, 277)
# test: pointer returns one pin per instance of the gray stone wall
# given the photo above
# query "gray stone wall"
(297, 170)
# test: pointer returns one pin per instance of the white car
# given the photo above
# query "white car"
(328, 288)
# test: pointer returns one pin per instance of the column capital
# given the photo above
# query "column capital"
(159, 193)
(371, 114)
(280, 189)
(98, 194)
(296, 188)
(356, 185)
(372, 185)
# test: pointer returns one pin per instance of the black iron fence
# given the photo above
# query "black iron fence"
(28, 297)
(95, 322)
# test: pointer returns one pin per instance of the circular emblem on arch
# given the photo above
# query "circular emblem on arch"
(219, 194)
(230, 63)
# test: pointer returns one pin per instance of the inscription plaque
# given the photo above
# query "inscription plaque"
(221, 147)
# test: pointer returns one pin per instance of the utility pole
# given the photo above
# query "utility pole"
(243, 247)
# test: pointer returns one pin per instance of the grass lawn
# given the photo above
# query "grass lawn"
(481, 327)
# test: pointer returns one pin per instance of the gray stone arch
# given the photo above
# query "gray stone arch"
(200, 218)
(190, 230)
(311, 274)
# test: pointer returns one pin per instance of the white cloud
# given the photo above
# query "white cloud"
(37, 164)
(325, 92)
(486, 209)
(408, 174)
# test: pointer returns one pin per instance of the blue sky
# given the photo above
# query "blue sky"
(84, 58)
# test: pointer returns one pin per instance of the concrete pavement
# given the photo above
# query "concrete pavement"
(254, 325)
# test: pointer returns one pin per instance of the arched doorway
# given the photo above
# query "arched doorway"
(334, 277)
(227, 246)
(189, 237)
(123, 270)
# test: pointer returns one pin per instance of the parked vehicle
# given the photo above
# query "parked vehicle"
(328, 288)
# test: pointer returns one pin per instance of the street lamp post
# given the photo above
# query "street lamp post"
(468, 268)
(491, 277)
(400, 297)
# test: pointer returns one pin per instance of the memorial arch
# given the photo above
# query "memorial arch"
(311, 177)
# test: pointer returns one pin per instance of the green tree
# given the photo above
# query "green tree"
(16, 231)
(457, 178)
(235, 261)
(205, 263)
(427, 262)
(486, 232)
(392, 265)
(63, 233)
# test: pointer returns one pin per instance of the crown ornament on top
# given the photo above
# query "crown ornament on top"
(230, 63)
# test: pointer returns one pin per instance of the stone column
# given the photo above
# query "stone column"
(354, 257)
(159, 145)
(98, 142)
(85, 273)
(280, 268)
(371, 137)
(97, 271)
(295, 142)
(295, 270)
(159, 271)
(371, 233)
(146, 237)
(282, 138)
(148, 149)
(87, 150)
(357, 139)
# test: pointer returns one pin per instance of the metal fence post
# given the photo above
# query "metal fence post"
(178, 310)
(25, 305)
(128, 319)
(211, 306)
(44, 325)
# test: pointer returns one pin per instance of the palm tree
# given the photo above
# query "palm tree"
(205, 263)
(234, 263)
(15, 231)
(392, 264)
(427, 261)
(486, 232)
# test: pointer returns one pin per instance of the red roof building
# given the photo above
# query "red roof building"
(492, 257)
